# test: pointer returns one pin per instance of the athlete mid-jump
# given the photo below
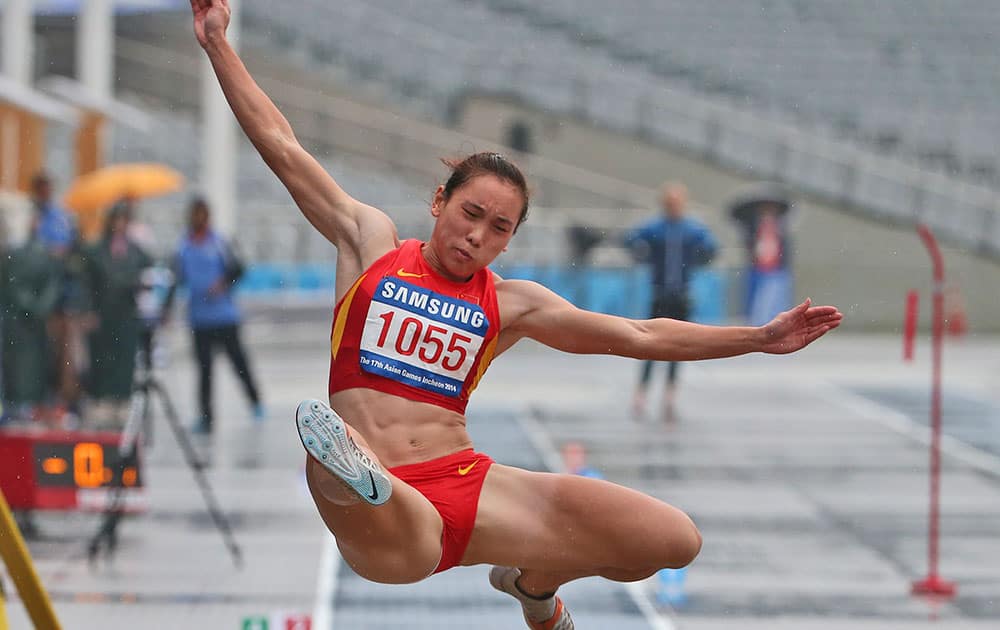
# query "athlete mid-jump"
(390, 464)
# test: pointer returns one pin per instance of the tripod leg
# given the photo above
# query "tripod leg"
(107, 533)
(193, 461)
(147, 422)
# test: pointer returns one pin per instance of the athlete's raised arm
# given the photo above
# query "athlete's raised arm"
(355, 228)
(531, 310)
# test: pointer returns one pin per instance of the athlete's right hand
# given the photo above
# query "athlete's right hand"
(211, 18)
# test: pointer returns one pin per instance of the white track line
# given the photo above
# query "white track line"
(540, 439)
(901, 423)
(326, 584)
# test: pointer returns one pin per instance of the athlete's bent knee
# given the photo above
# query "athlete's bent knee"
(685, 547)
(391, 566)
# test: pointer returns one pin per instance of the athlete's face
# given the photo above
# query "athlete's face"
(473, 226)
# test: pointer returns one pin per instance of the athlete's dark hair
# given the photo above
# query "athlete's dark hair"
(487, 163)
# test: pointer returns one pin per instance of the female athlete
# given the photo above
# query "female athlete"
(390, 464)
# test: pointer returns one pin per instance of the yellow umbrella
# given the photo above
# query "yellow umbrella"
(92, 194)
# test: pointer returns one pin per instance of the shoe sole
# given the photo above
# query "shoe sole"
(324, 436)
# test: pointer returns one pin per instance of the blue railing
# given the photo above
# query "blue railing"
(616, 291)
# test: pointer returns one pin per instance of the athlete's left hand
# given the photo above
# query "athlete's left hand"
(211, 18)
(797, 328)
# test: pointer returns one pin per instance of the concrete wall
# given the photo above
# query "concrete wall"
(864, 267)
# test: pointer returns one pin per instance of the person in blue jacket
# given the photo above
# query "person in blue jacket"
(206, 264)
(673, 245)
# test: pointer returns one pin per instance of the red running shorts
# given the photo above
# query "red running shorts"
(452, 484)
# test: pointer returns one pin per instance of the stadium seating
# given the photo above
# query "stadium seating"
(915, 78)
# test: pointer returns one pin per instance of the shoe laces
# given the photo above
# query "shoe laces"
(361, 455)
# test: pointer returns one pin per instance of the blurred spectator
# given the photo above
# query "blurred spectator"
(30, 285)
(673, 245)
(114, 267)
(56, 231)
(207, 265)
(15, 218)
(154, 282)
(55, 228)
(138, 232)
(763, 218)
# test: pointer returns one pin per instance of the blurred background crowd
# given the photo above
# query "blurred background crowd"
(71, 322)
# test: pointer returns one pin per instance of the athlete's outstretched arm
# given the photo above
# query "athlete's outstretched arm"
(343, 220)
(533, 311)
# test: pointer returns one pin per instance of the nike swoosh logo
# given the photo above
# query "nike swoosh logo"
(374, 495)
(465, 471)
(406, 274)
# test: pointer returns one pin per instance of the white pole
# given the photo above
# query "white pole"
(18, 40)
(94, 41)
(17, 47)
(219, 147)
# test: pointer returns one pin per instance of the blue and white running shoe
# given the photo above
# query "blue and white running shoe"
(324, 436)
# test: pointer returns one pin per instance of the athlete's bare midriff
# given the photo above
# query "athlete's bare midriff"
(401, 431)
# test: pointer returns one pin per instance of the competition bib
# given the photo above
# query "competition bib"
(421, 338)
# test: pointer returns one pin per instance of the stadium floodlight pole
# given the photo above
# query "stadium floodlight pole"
(219, 147)
(933, 584)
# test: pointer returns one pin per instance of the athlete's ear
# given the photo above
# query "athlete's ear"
(438, 202)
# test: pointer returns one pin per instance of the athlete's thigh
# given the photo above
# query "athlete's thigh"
(396, 543)
(569, 523)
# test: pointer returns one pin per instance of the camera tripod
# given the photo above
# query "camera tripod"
(138, 432)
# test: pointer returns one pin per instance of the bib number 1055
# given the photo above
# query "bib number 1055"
(411, 339)
(433, 344)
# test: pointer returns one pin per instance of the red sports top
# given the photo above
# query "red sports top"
(404, 330)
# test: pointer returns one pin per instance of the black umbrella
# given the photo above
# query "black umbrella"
(745, 207)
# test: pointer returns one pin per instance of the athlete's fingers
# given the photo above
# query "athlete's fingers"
(816, 334)
(802, 308)
(822, 311)
(834, 318)
(824, 318)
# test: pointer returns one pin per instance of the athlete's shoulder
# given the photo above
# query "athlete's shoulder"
(520, 297)
(510, 286)
(386, 258)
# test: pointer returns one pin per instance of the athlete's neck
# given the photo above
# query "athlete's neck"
(430, 257)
